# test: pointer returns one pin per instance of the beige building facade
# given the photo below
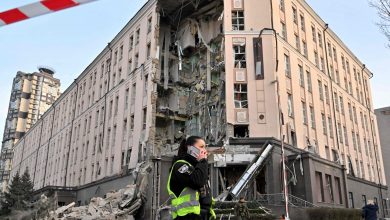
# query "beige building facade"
(31, 95)
(223, 70)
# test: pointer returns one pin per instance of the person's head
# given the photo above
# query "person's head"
(242, 199)
(370, 202)
(195, 141)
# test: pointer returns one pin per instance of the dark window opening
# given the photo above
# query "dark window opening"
(258, 55)
(320, 187)
(241, 131)
(350, 200)
(293, 138)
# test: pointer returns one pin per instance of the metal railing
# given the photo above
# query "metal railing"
(278, 200)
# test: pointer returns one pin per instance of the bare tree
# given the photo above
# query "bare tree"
(383, 8)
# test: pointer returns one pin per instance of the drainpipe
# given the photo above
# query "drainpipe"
(280, 113)
(39, 146)
(71, 133)
(368, 106)
(105, 96)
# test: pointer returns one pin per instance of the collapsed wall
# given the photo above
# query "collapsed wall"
(191, 85)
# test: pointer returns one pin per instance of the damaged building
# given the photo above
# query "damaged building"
(240, 73)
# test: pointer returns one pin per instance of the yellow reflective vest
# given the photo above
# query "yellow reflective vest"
(188, 200)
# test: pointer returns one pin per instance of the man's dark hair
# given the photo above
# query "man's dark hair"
(187, 142)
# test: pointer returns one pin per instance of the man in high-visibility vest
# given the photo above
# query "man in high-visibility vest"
(187, 185)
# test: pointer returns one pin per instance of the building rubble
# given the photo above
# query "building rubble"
(121, 204)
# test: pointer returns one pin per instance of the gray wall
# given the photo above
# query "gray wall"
(384, 135)
(84, 195)
(361, 187)
(306, 187)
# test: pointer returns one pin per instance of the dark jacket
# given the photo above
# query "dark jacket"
(196, 177)
(370, 212)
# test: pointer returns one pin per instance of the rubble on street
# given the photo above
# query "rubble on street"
(120, 204)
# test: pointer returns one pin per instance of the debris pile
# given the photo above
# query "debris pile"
(121, 204)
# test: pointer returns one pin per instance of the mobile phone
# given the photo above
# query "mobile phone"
(193, 151)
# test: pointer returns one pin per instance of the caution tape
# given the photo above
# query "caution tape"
(37, 9)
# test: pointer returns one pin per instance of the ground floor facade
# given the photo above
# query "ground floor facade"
(312, 181)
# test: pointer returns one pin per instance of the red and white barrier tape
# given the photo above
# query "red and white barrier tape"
(37, 9)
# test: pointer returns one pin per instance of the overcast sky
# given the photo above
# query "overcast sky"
(69, 40)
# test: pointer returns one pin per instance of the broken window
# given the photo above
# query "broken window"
(131, 42)
(324, 128)
(322, 64)
(312, 117)
(287, 67)
(136, 61)
(304, 48)
(121, 52)
(258, 55)
(127, 99)
(295, 15)
(301, 76)
(341, 104)
(133, 94)
(146, 85)
(304, 113)
(335, 156)
(281, 5)
(128, 156)
(336, 101)
(144, 118)
(132, 122)
(148, 47)
(124, 130)
(115, 56)
(319, 39)
(240, 96)
(314, 34)
(302, 23)
(357, 168)
(320, 90)
(297, 43)
(290, 105)
(345, 135)
(329, 185)
(284, 31)
(116, 105)
(149, 24)
(309, 85)
(238, 19)
(330, 127)
(293, 135)
(239, 56)
(351, 170)
(137, 36)
(241, 131)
